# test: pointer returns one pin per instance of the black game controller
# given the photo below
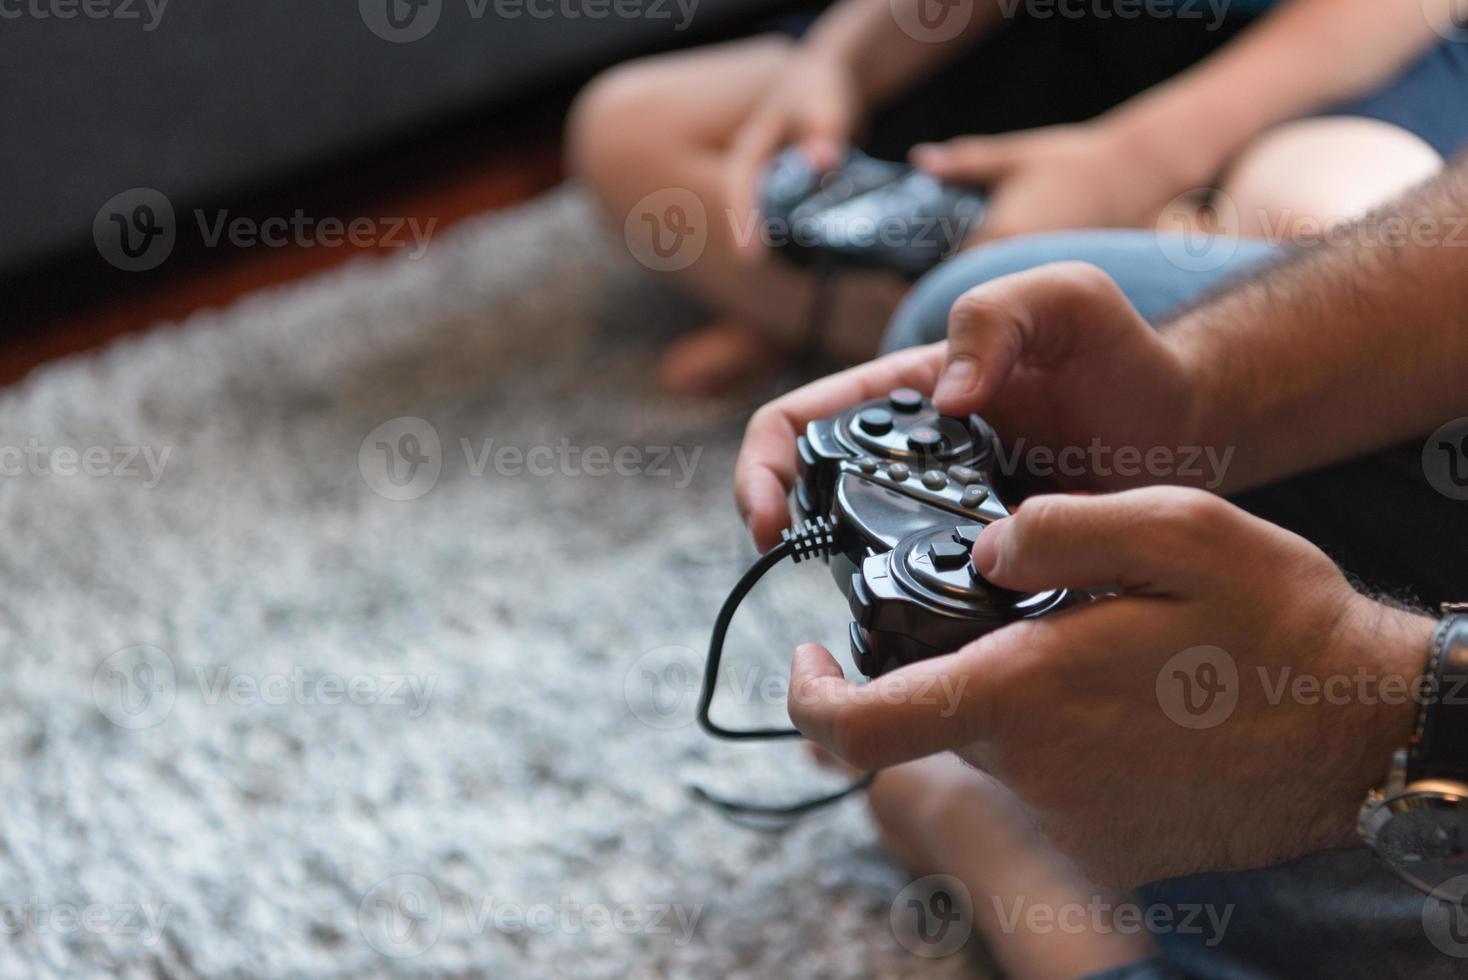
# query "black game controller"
(910, 491)
(867, 213)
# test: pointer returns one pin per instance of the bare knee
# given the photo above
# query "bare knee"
(611, 119)
(1317, 172)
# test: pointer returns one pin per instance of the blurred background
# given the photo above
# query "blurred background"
(357, 577)
(430, 108)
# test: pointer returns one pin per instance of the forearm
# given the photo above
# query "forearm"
(1344, 349)
(1038, 916)
(867, 36)
(1305, 56)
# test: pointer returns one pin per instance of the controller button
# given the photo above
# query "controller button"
(899, 472)
(876, 421)
(867, 465)
(935, 480)
(968, 534)
(862, 606)
(973, 496)
(906, 400)
(807, 451)
(925, 438)
(861, 650)
(947, 555)
(964, 475)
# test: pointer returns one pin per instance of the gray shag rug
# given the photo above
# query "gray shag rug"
(351, 631)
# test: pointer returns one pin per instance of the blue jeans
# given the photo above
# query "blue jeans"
(1334, 914)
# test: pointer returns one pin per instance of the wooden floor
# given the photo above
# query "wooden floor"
(79, 303)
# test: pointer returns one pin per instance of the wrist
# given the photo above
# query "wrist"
(1387, 648)
(1182, 146)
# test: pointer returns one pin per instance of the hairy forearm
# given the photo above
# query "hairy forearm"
(1305, 56)
(868, 36)
(1346, 348)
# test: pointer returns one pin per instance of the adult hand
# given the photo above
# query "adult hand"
(815, 105)
(1228, 709)
(1089, 175)
(1056, 356)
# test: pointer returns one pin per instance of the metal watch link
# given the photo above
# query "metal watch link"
(1417, 824)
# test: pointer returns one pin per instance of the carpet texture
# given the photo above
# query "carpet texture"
(278, 710)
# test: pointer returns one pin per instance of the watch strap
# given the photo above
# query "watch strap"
(1439, 747)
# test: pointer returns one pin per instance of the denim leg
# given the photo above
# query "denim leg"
(1157, 272)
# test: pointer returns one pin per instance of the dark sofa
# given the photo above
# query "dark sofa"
(198, 98)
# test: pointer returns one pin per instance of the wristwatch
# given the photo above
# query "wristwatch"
(1418, 823)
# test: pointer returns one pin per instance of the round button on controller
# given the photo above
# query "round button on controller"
(875, 421)
(924, 438)
(973, 496)
(935, 480)
(906, 399)
(898, 471)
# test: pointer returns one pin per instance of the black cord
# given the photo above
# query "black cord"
(738, 808)
(815, 538)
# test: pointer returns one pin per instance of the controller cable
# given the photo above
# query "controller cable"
(813, 539)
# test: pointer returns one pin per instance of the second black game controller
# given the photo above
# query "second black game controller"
(868, 213)
(909, 491)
